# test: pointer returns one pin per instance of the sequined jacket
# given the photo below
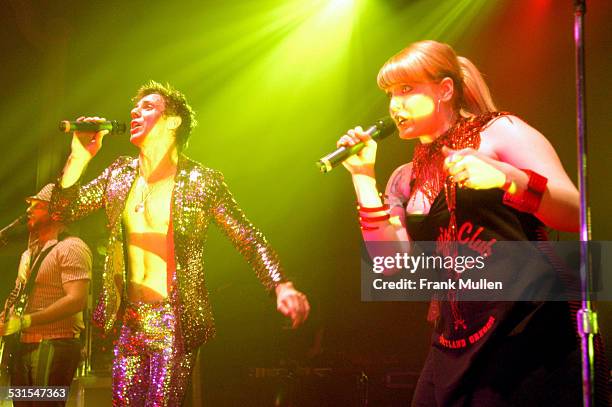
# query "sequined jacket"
(200, 196)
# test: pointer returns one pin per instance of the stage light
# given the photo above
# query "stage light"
(341, 4)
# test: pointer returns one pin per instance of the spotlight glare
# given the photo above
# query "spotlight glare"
(340, 4)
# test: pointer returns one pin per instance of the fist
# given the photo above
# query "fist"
(85, 145)
(292, 303)
(363, 161)
(472, 169)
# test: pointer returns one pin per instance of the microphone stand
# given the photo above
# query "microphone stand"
(8, 231)
(586, 316)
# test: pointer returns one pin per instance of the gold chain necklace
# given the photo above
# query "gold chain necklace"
(146, 193)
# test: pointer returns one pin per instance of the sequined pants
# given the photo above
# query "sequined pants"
(150, 368)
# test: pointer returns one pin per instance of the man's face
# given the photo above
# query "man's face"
(147, 118)
(38, 214)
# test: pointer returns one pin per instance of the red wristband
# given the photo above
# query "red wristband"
(537, 183)
(383, 207)
(530, 199)
(365, 227)
(369, 219)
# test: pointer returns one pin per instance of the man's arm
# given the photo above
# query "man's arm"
(247, 239)
(259, 254)
(84, 146)
(76, 202)
(70, 201)
(72, 302)
(74, 262)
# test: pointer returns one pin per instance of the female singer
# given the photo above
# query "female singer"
(474, 169)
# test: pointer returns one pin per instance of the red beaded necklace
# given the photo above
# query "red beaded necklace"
(428, 175)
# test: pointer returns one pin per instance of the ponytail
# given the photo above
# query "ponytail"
(477, 98)
(428, 60)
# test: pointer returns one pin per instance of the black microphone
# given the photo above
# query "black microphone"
(12, 229)
(378, 131)
(113, 126)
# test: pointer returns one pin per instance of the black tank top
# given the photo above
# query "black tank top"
(466, 332)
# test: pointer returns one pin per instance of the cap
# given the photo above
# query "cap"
(43, 195)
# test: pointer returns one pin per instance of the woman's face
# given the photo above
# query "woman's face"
(414, 108)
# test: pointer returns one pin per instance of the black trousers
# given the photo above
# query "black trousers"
(497, 382)
(51, 362)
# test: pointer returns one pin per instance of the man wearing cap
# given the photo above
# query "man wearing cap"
(50, 348)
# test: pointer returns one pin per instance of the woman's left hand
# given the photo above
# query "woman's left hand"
(473, 169)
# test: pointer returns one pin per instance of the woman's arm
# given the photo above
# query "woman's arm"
(384, 224)
(508, 146)
(368, 197)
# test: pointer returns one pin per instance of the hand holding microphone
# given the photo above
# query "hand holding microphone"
(113, 126)
(357, 149)
(88, 133)
(363, 161)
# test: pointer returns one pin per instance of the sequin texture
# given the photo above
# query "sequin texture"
(151, 368)
(200, 197)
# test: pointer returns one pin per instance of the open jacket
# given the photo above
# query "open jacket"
(200, 196)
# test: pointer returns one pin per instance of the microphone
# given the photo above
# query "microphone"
(113, 126)
(11, 229)
(378, 131)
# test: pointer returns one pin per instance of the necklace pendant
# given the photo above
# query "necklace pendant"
(139, 208)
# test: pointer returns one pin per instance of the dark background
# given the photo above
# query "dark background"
(62, 59)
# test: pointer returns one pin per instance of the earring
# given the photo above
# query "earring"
(438, 109)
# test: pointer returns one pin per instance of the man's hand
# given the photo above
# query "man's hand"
(15, 324)
(85, 145)
(292, 303)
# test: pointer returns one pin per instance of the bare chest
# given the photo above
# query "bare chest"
(147, 209)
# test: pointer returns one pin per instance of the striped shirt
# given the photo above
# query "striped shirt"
(69, 260)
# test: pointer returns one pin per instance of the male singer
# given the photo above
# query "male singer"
(159, 206)
(50, 349)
